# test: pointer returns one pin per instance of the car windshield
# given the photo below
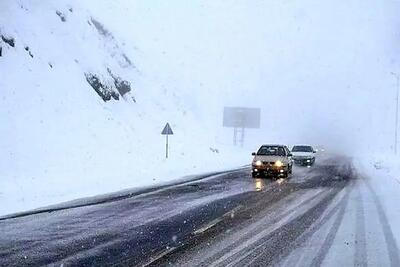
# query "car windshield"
(302, 149)
(271, 151)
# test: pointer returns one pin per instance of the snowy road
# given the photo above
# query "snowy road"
(326, 214)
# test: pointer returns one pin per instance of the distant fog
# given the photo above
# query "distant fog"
(320, 70)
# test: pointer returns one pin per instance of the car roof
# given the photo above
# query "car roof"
(302, 145)
(273, 145)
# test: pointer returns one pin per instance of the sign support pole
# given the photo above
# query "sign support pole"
(242, 138)
(166, 148)
(234, 136)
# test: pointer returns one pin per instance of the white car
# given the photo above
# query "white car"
(303, 155)
(272, 160)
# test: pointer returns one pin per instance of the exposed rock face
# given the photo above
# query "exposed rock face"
(103, 90)
(8, 40)
(121, 85)
(61, 15)
(29, 51)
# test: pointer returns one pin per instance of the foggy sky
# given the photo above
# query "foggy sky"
(320, 70)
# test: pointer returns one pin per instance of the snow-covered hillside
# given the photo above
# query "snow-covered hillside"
(81, 114)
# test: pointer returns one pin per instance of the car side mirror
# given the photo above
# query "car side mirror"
(314, 151)
(253, 154)
(290, 154)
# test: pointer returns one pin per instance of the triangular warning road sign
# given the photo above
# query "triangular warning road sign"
(167, 130)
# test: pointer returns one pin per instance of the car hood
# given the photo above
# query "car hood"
(271, 158)
(302, 154)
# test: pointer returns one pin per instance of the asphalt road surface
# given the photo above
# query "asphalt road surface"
(324, 215)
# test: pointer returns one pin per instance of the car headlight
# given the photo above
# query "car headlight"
(258, 163)
(279, 163)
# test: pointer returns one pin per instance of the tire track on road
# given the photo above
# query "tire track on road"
(329, 213)
(391, 244)
(297, 229)
(360, 254)
(323, 251)
(249, 239)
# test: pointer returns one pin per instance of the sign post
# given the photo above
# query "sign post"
(167, 131)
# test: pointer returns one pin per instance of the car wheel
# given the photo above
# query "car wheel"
(254, 175)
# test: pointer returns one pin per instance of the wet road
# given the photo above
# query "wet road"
(321, 215)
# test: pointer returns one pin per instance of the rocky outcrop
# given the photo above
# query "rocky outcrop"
(103, 90)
